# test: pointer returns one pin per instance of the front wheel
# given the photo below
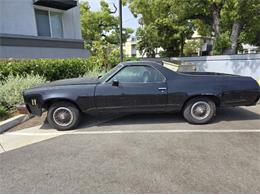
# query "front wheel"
(199, 110)
(63, 116)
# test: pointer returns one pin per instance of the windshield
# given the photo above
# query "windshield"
(111, 72)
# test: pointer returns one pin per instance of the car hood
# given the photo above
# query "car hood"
(75, 81)
(67, 82)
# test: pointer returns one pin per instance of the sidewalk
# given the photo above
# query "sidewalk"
(27, 136)
(12, 140)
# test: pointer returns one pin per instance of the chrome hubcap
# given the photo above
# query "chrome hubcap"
(200, 110)
(63, 116)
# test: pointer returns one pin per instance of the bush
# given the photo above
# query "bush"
(51, 69)
(94, 73)
(55, 69)
(222, 43)
(3, 111)
(192, 47)
(11, 89)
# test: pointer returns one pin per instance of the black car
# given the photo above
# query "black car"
(141, 86)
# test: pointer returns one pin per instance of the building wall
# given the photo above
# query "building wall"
(71, 24)
(18, 17)
(19, 37)
(130, 48)
(245, 65)
(41, 52)
(26, 47)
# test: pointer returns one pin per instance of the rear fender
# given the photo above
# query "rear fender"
(216, 97)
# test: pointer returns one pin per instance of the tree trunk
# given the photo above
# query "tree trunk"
(216, 19)
(236, 29)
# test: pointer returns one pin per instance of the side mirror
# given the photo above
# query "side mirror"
(115, 83)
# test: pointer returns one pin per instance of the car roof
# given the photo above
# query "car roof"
(140, 63)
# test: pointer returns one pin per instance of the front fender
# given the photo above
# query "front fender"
(82, 97)
(38, 99)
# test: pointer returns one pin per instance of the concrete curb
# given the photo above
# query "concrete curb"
(16, 120)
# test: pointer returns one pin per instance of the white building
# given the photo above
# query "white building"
(131, 51)
(130, 48)
(40, 29)
(205, 42)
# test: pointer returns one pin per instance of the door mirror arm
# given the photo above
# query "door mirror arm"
(115, 83)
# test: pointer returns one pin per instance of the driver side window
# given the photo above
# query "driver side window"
(139, 74)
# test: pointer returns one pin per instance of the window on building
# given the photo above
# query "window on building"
(49, 24)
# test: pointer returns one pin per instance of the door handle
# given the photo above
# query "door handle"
(162, 89)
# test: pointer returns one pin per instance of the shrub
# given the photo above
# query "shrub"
(222, 43)
(11, 89)
(51, 69)
(94, 73)
(3, 111)
(55, 69)
(191, 47)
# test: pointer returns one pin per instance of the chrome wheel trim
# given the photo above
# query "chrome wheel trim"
(200, 110)
(63, 116)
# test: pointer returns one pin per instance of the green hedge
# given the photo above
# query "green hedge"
(51, 69)
(55, 69)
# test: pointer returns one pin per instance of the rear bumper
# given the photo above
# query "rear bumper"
(258, 97)
(240, 98)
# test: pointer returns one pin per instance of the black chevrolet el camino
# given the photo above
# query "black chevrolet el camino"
(143, 86)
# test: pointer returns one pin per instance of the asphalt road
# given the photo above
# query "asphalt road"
(121, 158)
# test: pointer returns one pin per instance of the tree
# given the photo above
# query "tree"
(160, 27)
(100, 31)
(147, 40)
(222, 18)
(242, 22)
(207, 11)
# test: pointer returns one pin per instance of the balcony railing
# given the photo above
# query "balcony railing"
(57, 4)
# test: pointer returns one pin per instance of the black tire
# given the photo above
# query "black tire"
(63, 116)
(199, 110)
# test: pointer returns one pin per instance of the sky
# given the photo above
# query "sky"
(128, 19)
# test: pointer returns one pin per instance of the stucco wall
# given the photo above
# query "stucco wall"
(18, 17)
(245, 65)
(71, 24)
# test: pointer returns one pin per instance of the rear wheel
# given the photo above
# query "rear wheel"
(63, 116)
(199, 110)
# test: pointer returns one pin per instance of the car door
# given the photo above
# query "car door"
(133, 89)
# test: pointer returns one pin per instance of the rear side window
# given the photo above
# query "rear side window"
(139, 74)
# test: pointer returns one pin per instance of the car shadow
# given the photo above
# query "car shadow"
(235, 114)
(224, 114)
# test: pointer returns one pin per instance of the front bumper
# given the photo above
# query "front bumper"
(33, 103)
(34, 109)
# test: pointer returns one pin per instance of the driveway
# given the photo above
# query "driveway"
(137, 154)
